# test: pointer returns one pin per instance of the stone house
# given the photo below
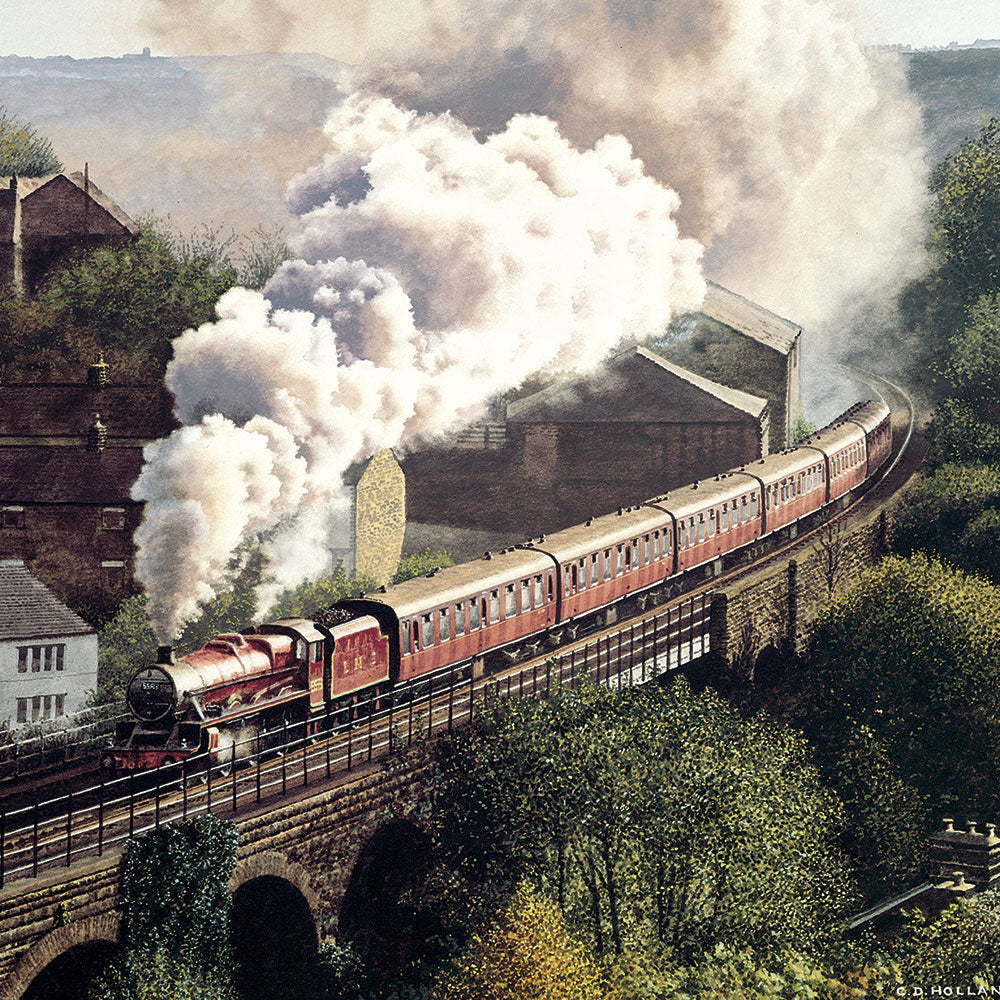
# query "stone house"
(48, 655)
(739, 343)
(43, 220)
(581, 447)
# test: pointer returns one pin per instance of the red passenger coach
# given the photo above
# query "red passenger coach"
(712, 517)
(794, 484)
(460, 612)
(843, 444)
(875, 419)
(610, 556)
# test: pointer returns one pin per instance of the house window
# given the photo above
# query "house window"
(36, 707)
(112, 574)
(48, 657)
(22, 659)
(12, 517)
(47, 706)
(113, 518)
(36, 659)
(42, 657)
(22, 709)
(60, 705)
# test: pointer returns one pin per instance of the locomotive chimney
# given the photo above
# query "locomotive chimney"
(164, 654)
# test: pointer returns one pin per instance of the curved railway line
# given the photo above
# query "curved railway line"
(89, 817)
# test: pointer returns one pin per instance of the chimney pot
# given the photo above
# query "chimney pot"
(97, 373)
(970, 825)
(97, 436)
(949, 825)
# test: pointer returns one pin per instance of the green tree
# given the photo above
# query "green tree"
(125, 644)
(23, 151)
(962, 946)
(175, 903)
(912, 653)
(967, 221)
(311, 598)
(139, 296)
(649, 815)
(422, 563)
(953, 512)
(527, 952)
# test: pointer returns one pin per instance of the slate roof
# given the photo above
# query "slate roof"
(72, 475)
(748, 318)
(29, 610)
(128, 411)
(638, 386)
(26, 186)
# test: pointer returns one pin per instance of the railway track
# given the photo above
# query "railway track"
(87, 821)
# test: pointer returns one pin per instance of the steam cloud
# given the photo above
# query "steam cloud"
(434, 271)
(799, 161)
(443, 257)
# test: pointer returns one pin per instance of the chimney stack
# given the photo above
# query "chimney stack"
(97, 436)
(165, 654)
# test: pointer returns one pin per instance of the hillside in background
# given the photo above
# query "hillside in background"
(955, 90)
(213, 139)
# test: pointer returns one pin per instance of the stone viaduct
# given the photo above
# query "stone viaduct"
(338, 859)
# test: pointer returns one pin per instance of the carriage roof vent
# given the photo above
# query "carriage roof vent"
(487, 554)
(383, 589)
(541, 538)
(621, 510)
(589, 521)
(694, 485)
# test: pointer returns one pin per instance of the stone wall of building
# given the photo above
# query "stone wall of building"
(380, 517)
(83, 553)
(718, 352)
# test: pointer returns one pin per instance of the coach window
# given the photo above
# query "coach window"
(582, 576)
(607, 564)
(743, 510)
(551, 588)
(753, 505)
(701, 527)
(525, 595)
(656, 545)
(428, 632)
(494, 606)
(416, 636)
(474, 619)
(628, 558)
(539, 592)
(573, 581)
(459, 619)
(567, 586)
(509, 602)
(444, 624)
(595, 570)
(767, 498)
(404, 628)
(646, 551)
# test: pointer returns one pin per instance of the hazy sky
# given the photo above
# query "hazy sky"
(111, 27)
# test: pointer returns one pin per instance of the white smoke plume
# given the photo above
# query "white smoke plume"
(434, 271)
(799, 160)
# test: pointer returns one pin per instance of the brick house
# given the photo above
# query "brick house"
(45, 219)
(739, 343)
(69, 455)
(48, 655)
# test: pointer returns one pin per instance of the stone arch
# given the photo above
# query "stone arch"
(273, 929)
(380, 913)
(61, 953)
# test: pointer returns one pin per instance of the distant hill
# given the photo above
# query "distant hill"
(199, 138)
(955, 90)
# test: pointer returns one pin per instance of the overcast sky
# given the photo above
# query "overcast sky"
(111, 27)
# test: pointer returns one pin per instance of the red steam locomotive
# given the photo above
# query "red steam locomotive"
(239, 686)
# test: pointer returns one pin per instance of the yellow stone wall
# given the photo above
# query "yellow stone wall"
(380, 517)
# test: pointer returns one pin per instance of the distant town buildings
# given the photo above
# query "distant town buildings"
(48, 655)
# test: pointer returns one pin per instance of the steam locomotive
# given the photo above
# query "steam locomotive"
(506, 604)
